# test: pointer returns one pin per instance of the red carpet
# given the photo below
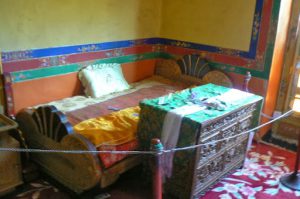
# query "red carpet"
(257, 180)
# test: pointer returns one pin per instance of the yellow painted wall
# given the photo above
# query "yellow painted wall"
(29, 24)
(1, 90)
(221, 23)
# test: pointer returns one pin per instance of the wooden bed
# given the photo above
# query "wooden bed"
(46, 127)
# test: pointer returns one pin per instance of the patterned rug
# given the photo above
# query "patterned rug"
(259, 179)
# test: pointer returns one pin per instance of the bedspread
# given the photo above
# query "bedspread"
(118, 103)
(113, 129)
(110, 122)
(112, 132)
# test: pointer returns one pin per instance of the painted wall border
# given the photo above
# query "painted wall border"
(266, 12)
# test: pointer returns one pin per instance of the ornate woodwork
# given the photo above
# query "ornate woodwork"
(216, 160)
(193, 65)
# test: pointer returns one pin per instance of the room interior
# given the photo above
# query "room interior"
(44, 44)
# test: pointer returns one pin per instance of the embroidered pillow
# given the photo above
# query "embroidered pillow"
(102, 79)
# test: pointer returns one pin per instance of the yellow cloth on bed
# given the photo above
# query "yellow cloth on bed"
(114, 129)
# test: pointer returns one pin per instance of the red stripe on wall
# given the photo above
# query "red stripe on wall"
(265, 25)
(73, 58)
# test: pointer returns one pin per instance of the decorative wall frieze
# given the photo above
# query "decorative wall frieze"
(256, 59)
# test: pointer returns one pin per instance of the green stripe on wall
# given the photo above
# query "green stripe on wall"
(129, 58)
(21, 76)
(238, 70)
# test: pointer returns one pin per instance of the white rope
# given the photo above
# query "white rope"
(145, 152)
(267, 116)
(76, 151)
(234, 136)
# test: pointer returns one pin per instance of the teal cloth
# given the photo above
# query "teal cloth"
(206, 91)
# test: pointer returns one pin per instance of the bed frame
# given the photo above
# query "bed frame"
(48, 128)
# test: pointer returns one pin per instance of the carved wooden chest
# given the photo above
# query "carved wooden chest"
(195, 170)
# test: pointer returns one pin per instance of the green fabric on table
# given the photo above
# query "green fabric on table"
(153, 112)
(206, 91)
(150, 109)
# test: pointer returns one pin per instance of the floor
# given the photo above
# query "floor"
(46, 188)
(259, 179)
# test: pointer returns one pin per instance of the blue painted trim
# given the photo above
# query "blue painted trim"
(65, 50)
(254, 38)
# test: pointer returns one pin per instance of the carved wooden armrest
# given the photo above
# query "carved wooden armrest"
(46, 128)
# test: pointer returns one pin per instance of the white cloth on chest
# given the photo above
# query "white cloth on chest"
(171, 130)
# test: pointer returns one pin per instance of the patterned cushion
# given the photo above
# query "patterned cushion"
(102, 79)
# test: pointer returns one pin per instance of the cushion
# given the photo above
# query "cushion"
(102, 79)
(167, 68)
(218, 78)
